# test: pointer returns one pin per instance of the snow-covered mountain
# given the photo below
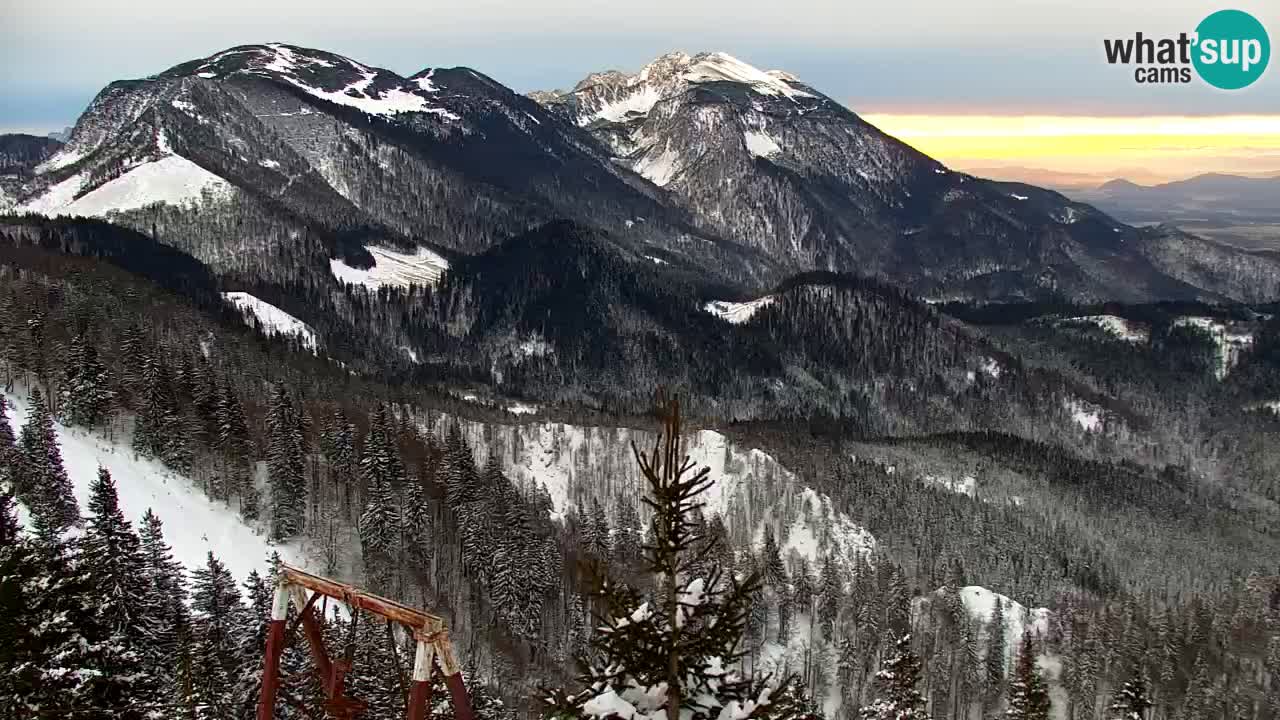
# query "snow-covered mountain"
(764, 159)
(345, 155)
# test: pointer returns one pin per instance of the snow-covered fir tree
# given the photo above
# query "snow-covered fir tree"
(1131, 701)
(381, 531)
(896, 696)
(1028, 692)
(670, 654)
(9, 457)
(286, 467)
(114, 564)
(218, 618)
(85, 386)
(42, 483)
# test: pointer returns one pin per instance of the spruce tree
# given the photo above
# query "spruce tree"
(1028, 693)
(218, 616)
(85, 387)
(995, 657)
(9, 457)
(43, 485)
(1131, 701)
(895, 687)
(286, 468)
(165, 598)
(381, 530)
(112, 556)
(670, 653)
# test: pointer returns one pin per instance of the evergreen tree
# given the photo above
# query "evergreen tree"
(380, 522)
(112, 558)
(42, 484)
(1131, 701)
(160, 428)
(165, 598)
(286, 468)
(9, 457)
(85, 387)
(218, 615)
(995, 658)
(830, 596)
(895, 687)
(1028, 693)
(669, 654)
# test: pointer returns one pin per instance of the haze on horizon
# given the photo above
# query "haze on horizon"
(978, 85)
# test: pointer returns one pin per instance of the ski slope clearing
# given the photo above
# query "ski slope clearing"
(1118, 327)
(194, 525)
(393, 268)
(737, 312)
(172, 180)
(270, 318)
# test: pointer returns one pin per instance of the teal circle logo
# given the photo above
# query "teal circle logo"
(1232, 49)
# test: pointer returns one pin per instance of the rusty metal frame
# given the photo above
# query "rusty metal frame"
(434, 650)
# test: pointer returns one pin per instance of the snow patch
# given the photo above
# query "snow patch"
(1114, 325)
(270, 318)
(1016, 196)
(658, 168)
(172, 180)
(1086, 415)
(194, 525)
(719, 66)
(760, 144)
(393, 268)
(737, 312)
(967, 485)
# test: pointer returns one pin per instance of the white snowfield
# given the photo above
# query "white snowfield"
(172, 180)
(658, 167)
(719, 66)
(271, 318)
(1122, 329)
(283, 63)
(393, 268)
(738, 312)
(760, 143)
(194, 525)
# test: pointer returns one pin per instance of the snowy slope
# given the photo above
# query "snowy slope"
(193, 524)
(577, 465)
(737, 312)
(172, 180)
(271, 318)
(393, 268)
(1118, 327)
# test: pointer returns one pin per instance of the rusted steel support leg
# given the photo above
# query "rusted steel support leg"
(275, 646)
(315, 639)
(453, 677)
(420, 690)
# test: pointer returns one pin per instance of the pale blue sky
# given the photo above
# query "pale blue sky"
(930, 56)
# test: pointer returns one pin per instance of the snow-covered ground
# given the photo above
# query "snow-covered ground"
(967, 485)
(737, 312)
(577, 465)
(658, 167)
(173, 180)
(1118, 327)
(1086, 415)
(194, 525)
(1230, 343)
(719, 66)
(394, 268)
(760, 143)
(271, 318)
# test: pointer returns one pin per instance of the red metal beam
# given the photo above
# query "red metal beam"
(271, 659)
